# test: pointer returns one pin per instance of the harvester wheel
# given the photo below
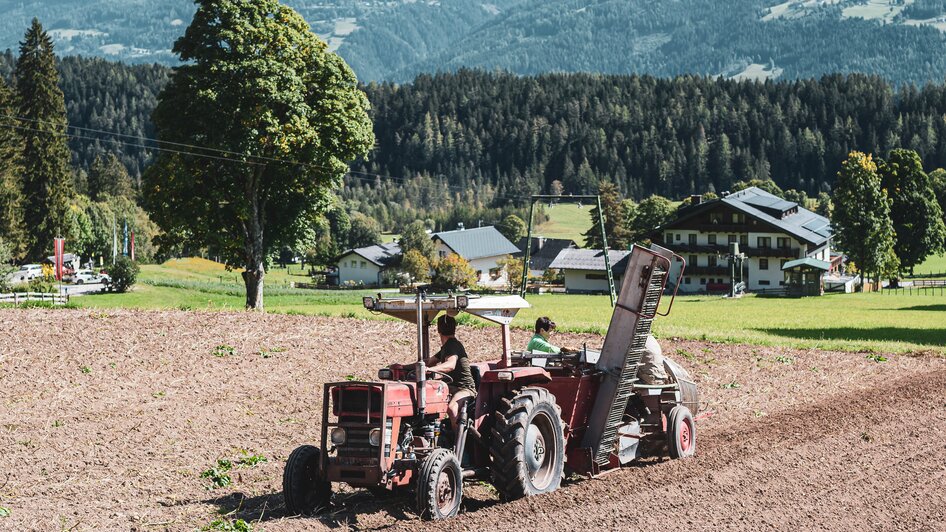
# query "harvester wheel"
(528, 444)
(304, 492)
(681, 432)
(439, 485)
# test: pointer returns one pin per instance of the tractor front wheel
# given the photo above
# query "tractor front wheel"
(528, 444)
(681, 432)
(439, 485)
(303, 488)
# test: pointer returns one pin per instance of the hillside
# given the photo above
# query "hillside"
(901, 40)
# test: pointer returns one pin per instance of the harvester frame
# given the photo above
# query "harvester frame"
(535, 415)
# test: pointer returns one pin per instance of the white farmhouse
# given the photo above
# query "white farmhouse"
(585, 271)
(769, 230)
(482, 247)
(366, 266)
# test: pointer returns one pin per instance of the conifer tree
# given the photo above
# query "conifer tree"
(47, 178)
(11, 193)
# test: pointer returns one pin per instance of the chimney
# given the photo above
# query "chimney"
(696, 199)
(541, 241)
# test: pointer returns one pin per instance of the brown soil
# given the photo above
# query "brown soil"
(107, 421)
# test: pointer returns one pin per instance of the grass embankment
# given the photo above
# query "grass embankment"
(932, 266)
(860, 322)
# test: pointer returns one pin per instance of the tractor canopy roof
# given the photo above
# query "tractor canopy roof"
(497, 309)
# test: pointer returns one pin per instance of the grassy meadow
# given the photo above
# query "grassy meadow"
(858, 322)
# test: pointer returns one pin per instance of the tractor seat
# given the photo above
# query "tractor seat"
(477, 375)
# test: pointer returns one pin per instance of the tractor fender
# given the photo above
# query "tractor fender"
(520, 376)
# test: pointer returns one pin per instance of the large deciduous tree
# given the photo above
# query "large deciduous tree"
(652, 213)
(47, 177)
(861, 216)
(266, 120)
(917, 216)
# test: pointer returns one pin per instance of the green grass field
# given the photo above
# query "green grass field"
(858, 322)
(932, 266)
(566, 220)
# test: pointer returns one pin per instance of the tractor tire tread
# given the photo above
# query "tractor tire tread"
(427, 482)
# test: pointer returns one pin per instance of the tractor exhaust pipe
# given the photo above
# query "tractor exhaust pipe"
(421, 371)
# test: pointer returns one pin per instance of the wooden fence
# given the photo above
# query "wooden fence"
(17, 298)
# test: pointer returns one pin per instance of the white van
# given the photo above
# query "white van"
(27, 273)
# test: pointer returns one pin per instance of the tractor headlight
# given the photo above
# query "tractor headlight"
(504, 375)
(462, 301)
(368, 302)
(385, 374)
(374, 437)
(339, 436)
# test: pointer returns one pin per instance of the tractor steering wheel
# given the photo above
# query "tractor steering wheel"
(411, 375)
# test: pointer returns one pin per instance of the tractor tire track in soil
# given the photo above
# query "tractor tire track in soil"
(108, 419)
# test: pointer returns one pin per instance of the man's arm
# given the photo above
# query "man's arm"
(446, 366)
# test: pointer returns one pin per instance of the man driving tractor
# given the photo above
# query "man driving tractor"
(452, 361)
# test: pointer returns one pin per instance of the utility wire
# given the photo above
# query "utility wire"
(363, 176)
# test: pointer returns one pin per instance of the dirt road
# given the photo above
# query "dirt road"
(107, 421)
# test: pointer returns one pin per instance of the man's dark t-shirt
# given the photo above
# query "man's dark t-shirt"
(461, 375)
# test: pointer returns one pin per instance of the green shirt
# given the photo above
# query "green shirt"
(540, 345)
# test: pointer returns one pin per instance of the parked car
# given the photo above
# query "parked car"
(27, 273)
(90, 277)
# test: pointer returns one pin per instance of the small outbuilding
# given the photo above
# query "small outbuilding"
(366, 266)
(805, 277)
(585, 271)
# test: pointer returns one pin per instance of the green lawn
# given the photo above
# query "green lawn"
(566, 220)
(932, 265)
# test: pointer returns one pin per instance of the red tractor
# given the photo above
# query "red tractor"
(536, 416)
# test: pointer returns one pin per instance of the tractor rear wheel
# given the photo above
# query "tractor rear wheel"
(681, 432)
(439, 485)
(528, 444)
(302, 488)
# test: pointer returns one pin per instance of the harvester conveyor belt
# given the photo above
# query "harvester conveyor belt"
(621, 366)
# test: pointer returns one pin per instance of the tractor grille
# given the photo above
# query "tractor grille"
(354, 400)
(356, 450)
(632, 360)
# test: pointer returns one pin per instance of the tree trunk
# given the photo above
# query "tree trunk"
(253, 245)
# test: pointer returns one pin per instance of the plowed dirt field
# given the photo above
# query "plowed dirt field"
(107, 421)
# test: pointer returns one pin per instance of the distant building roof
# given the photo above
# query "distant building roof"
(784, 216)
(807, 261)
(590, 259)
(477, 243)
(544, 250)
(380, 254)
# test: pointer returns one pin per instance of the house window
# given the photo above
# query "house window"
(743, 240)
(669, 238)
(715, 218)
(596, 276)
(712, 261)
(764, 283)
(693, 261)
(363, 265)
(764, 242)
(712, 239)
(732, 239)
(703, 280)
(443, 254)
(782, 243)
(781, 283)
(344, 264)
(678, 237)
(691, 238)
(686, 280)
(738, 218)
(763, 264)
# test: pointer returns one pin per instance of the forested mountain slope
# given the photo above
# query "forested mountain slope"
(901, 40)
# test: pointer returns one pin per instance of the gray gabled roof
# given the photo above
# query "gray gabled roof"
(477, 243)
(807, 261)
(590, 259)
(803, 224)
(380, 254)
